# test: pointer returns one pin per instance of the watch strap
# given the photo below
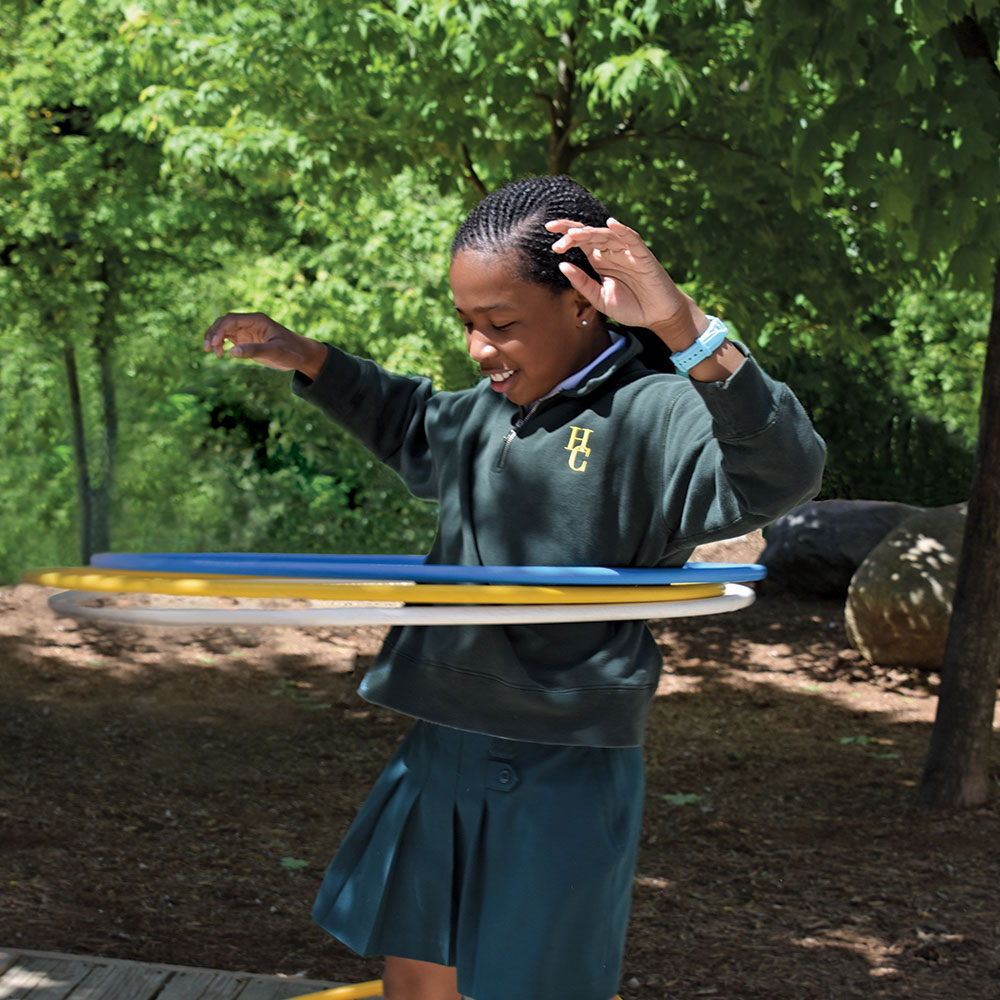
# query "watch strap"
(706, 344)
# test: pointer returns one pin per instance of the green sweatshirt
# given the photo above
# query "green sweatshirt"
(630, 468)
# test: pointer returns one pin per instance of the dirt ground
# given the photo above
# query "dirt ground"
(174, 796)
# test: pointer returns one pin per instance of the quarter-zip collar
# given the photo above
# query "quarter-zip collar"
(572, 381)
(607, 365)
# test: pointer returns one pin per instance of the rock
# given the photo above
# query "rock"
(899, 602)
(817, 547)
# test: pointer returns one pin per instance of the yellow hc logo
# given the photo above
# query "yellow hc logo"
(577, 447)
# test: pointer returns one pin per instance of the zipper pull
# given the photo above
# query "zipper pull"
(507, 438)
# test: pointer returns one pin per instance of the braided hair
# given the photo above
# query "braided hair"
(513, 218)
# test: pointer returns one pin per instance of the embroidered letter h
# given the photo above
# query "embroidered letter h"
(577, 447)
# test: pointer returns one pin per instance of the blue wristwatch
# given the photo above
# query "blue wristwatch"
(708, 342)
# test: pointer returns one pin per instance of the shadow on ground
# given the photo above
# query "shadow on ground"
(174, 797)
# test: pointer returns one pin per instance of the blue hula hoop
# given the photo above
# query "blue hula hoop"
(364, 567)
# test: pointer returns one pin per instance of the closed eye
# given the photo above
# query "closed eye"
(495, 326)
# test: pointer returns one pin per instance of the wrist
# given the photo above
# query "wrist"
(704, 347)
(683, 328)
(676, 333)
(314, 357)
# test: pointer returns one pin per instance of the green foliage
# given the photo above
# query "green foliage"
(87, 220)
(248, 467)
(939, 339)
(898, 405)
(901, 102)
(36, 470)
(105, 246)
(163, 163)
(655, 106)
(898, 108)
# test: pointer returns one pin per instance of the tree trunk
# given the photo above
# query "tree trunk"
(561, 151)
(83, 483)
(104, 339)
(102, 492)
(956, 772)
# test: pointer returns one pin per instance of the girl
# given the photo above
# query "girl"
(494, 857)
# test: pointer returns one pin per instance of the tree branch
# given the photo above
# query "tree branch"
(722, 144)
(470, 171)
(626, 130)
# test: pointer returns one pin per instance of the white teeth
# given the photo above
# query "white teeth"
(500, 376)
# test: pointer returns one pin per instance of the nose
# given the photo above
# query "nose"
(479, 346)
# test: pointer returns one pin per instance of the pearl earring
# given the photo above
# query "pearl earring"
(583, 322)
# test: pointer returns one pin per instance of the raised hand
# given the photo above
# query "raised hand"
(259, 338)
(634, 290)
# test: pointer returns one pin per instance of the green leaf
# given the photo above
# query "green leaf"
(682, 798)
(897, 204)
(971, 266)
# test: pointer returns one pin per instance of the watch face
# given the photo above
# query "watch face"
(715, 328)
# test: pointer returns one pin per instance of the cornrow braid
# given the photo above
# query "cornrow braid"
(513, 218)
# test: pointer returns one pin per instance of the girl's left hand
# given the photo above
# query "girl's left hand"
(635, 290)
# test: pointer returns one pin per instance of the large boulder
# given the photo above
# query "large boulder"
(899, 603)
(817, 547)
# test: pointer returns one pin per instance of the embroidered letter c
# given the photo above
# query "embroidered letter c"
(579, 438)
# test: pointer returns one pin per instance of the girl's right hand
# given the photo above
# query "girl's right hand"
(259, 338)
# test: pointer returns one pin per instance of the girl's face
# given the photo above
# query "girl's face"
(525, 337)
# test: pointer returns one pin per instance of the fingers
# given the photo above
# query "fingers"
(238, 329)
(250, 350)
(562, 225)
(273, 353)
(615, 237)
(591, 290)
(257, 337)
(576, 235)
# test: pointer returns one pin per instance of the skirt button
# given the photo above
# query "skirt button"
(502, 776)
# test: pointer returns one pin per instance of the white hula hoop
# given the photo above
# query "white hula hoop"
(70, 604)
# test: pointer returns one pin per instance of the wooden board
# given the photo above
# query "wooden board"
(36, 975)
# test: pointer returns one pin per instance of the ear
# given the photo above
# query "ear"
(583, 310)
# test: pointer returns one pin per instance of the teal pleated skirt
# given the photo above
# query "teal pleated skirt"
(511, 861)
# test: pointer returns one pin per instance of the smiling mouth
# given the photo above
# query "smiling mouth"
(501, 376)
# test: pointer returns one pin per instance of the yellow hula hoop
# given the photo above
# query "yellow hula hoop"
(218, 585)
(357, 991)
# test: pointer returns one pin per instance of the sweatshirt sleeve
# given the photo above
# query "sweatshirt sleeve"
(387, 413)
(745, 453)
